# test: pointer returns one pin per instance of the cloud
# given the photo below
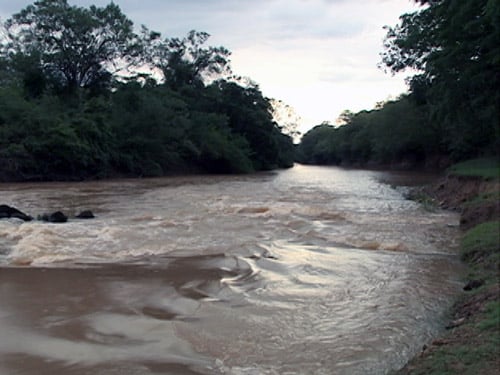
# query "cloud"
(243, 23)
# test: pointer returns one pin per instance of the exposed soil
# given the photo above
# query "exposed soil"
(477, 201)
(453, 192)
(477, 213)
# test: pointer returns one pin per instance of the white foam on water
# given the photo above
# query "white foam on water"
(44, 243)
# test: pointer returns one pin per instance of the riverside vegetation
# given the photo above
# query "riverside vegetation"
(84, 96)
(451, 113)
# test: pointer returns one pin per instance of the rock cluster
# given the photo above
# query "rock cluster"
(7, 212)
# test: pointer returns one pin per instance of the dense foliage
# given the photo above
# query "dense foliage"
(452, 110)
(83, 96)
(398, 132)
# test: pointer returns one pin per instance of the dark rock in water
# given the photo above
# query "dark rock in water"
(7, 212)
(474, 284)
(43, 217)
(87, 214)
(56, 217)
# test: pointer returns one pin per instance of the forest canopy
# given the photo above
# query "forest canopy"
(452, 110)
(83, 95)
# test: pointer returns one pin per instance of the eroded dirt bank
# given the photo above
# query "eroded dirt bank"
(476, 199)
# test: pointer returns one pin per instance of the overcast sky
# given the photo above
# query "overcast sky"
(318, 56)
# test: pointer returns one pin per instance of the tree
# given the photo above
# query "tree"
(74, 46)
(286, 117)
(454, 47)
(186, 61)
(318, 146)
(251, 115)
(395, 133)
(345, 117)
(61, 119)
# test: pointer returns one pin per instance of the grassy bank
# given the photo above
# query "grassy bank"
(485, 168)
(470, 344)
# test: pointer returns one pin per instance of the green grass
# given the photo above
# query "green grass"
(487, 168)
(477, 356)
(481, 241)
(480, 248)
(491, 320)
(483, 198)
(460, 359)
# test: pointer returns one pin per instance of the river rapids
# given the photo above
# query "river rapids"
(311, 270)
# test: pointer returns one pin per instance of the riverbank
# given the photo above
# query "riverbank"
(470, 343)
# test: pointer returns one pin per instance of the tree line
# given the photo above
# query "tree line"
(82, 95)
(452, 110)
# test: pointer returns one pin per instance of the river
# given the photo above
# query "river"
(311, 270)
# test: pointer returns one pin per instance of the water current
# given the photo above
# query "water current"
(311, 270)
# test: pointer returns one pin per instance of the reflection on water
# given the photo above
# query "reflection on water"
(310, 270)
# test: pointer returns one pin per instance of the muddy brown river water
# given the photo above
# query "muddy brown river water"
(312, 270)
